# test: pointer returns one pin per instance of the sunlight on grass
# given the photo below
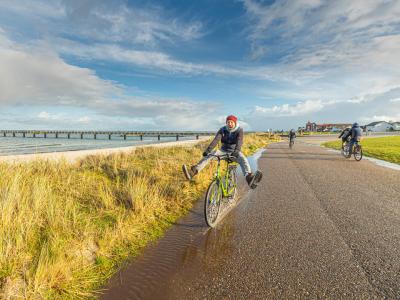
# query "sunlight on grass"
(65, 228)
(385, 148)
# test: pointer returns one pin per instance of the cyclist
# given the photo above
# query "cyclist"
(345, 135)
(292, 135)
(355, 133)
(231, 137)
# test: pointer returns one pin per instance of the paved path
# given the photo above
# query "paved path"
(318, 227)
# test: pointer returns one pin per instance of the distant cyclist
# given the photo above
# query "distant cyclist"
(231, 138)
(355, 134)
(292, 136)
(345, 135)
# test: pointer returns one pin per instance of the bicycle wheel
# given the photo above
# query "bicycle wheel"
(212, 203)
(232, 184)
(358, 153)
(346, 151)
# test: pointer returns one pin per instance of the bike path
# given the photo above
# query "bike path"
(318, 226)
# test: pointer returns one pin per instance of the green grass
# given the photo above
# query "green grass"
(385, 148)
(66, 228)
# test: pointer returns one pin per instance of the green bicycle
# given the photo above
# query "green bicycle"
(222, 186)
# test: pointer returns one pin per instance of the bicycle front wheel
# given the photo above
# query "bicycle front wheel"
(212, 203)
(358, 153)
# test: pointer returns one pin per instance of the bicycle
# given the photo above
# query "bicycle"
(222, 186)
(357, 151)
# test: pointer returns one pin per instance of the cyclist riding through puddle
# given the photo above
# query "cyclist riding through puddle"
(231, 137)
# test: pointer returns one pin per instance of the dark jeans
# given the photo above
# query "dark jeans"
(351, 145)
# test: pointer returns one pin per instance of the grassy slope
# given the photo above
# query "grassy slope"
(385, 148)
(64, 229)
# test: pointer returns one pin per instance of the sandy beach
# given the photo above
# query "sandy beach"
(73, 156)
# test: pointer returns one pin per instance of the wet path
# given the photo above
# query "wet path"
(319, 226)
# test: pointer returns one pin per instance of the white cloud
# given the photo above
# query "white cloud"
(364, 109)
(47, 116)
(84, 120)
(41, 77)
(339, 45)
(105, 21)
(285, 110)
(37, 77)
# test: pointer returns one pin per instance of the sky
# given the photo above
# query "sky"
(186, 65)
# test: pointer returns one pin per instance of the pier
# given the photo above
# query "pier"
(66, 134)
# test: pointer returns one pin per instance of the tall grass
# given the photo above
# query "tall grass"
(65, 228)
(385, 148)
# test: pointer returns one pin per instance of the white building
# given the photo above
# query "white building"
(380, 126)
(396, 126)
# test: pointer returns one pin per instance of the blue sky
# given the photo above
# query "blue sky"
(187, 64)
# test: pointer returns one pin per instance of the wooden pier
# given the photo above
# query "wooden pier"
(94, 134)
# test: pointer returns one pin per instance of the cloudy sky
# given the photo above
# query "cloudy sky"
(90, 64)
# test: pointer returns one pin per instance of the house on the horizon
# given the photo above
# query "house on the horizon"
(396, 126)
(327, 127)
(383, 126)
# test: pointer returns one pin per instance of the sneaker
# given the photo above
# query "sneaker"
(189, 173)
(249, 178)
(253, 180)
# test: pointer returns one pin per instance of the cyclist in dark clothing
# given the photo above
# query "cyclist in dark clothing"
(345, 135)
(292, 136)
(356, 134)
(231, 138)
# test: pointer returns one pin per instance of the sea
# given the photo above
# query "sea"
(30, 145)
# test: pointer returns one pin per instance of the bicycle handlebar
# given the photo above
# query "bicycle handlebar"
(223, 156)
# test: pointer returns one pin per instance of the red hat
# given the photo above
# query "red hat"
(232, 118)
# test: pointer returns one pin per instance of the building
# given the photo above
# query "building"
(380, 126)
(328, 127)
(396, 126)
(310, 127)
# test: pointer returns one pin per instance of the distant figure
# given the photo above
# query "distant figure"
(345, 135)
(231, 138)
(356, 134)
(292, 135)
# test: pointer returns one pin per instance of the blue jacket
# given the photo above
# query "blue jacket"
(231, 140)
(356, 133)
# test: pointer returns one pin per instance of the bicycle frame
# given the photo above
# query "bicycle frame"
(223, 184)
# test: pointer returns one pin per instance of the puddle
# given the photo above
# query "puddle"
(188, 245)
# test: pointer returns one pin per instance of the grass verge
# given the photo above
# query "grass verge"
(65, 228)
(385, 148)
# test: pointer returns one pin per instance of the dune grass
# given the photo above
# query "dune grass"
(65, 228)
(385, 148)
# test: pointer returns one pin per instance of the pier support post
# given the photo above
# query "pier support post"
(13, 134)
(23, 134)
(4, 134)
(159, 137)
(124, 137)
(45, 135)
(141, 137)
(197, 137)
(177, 137)
(95, 136)
(109, 136)
(34, 135)
(56, 135)
(81, 136)
(69, 135)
